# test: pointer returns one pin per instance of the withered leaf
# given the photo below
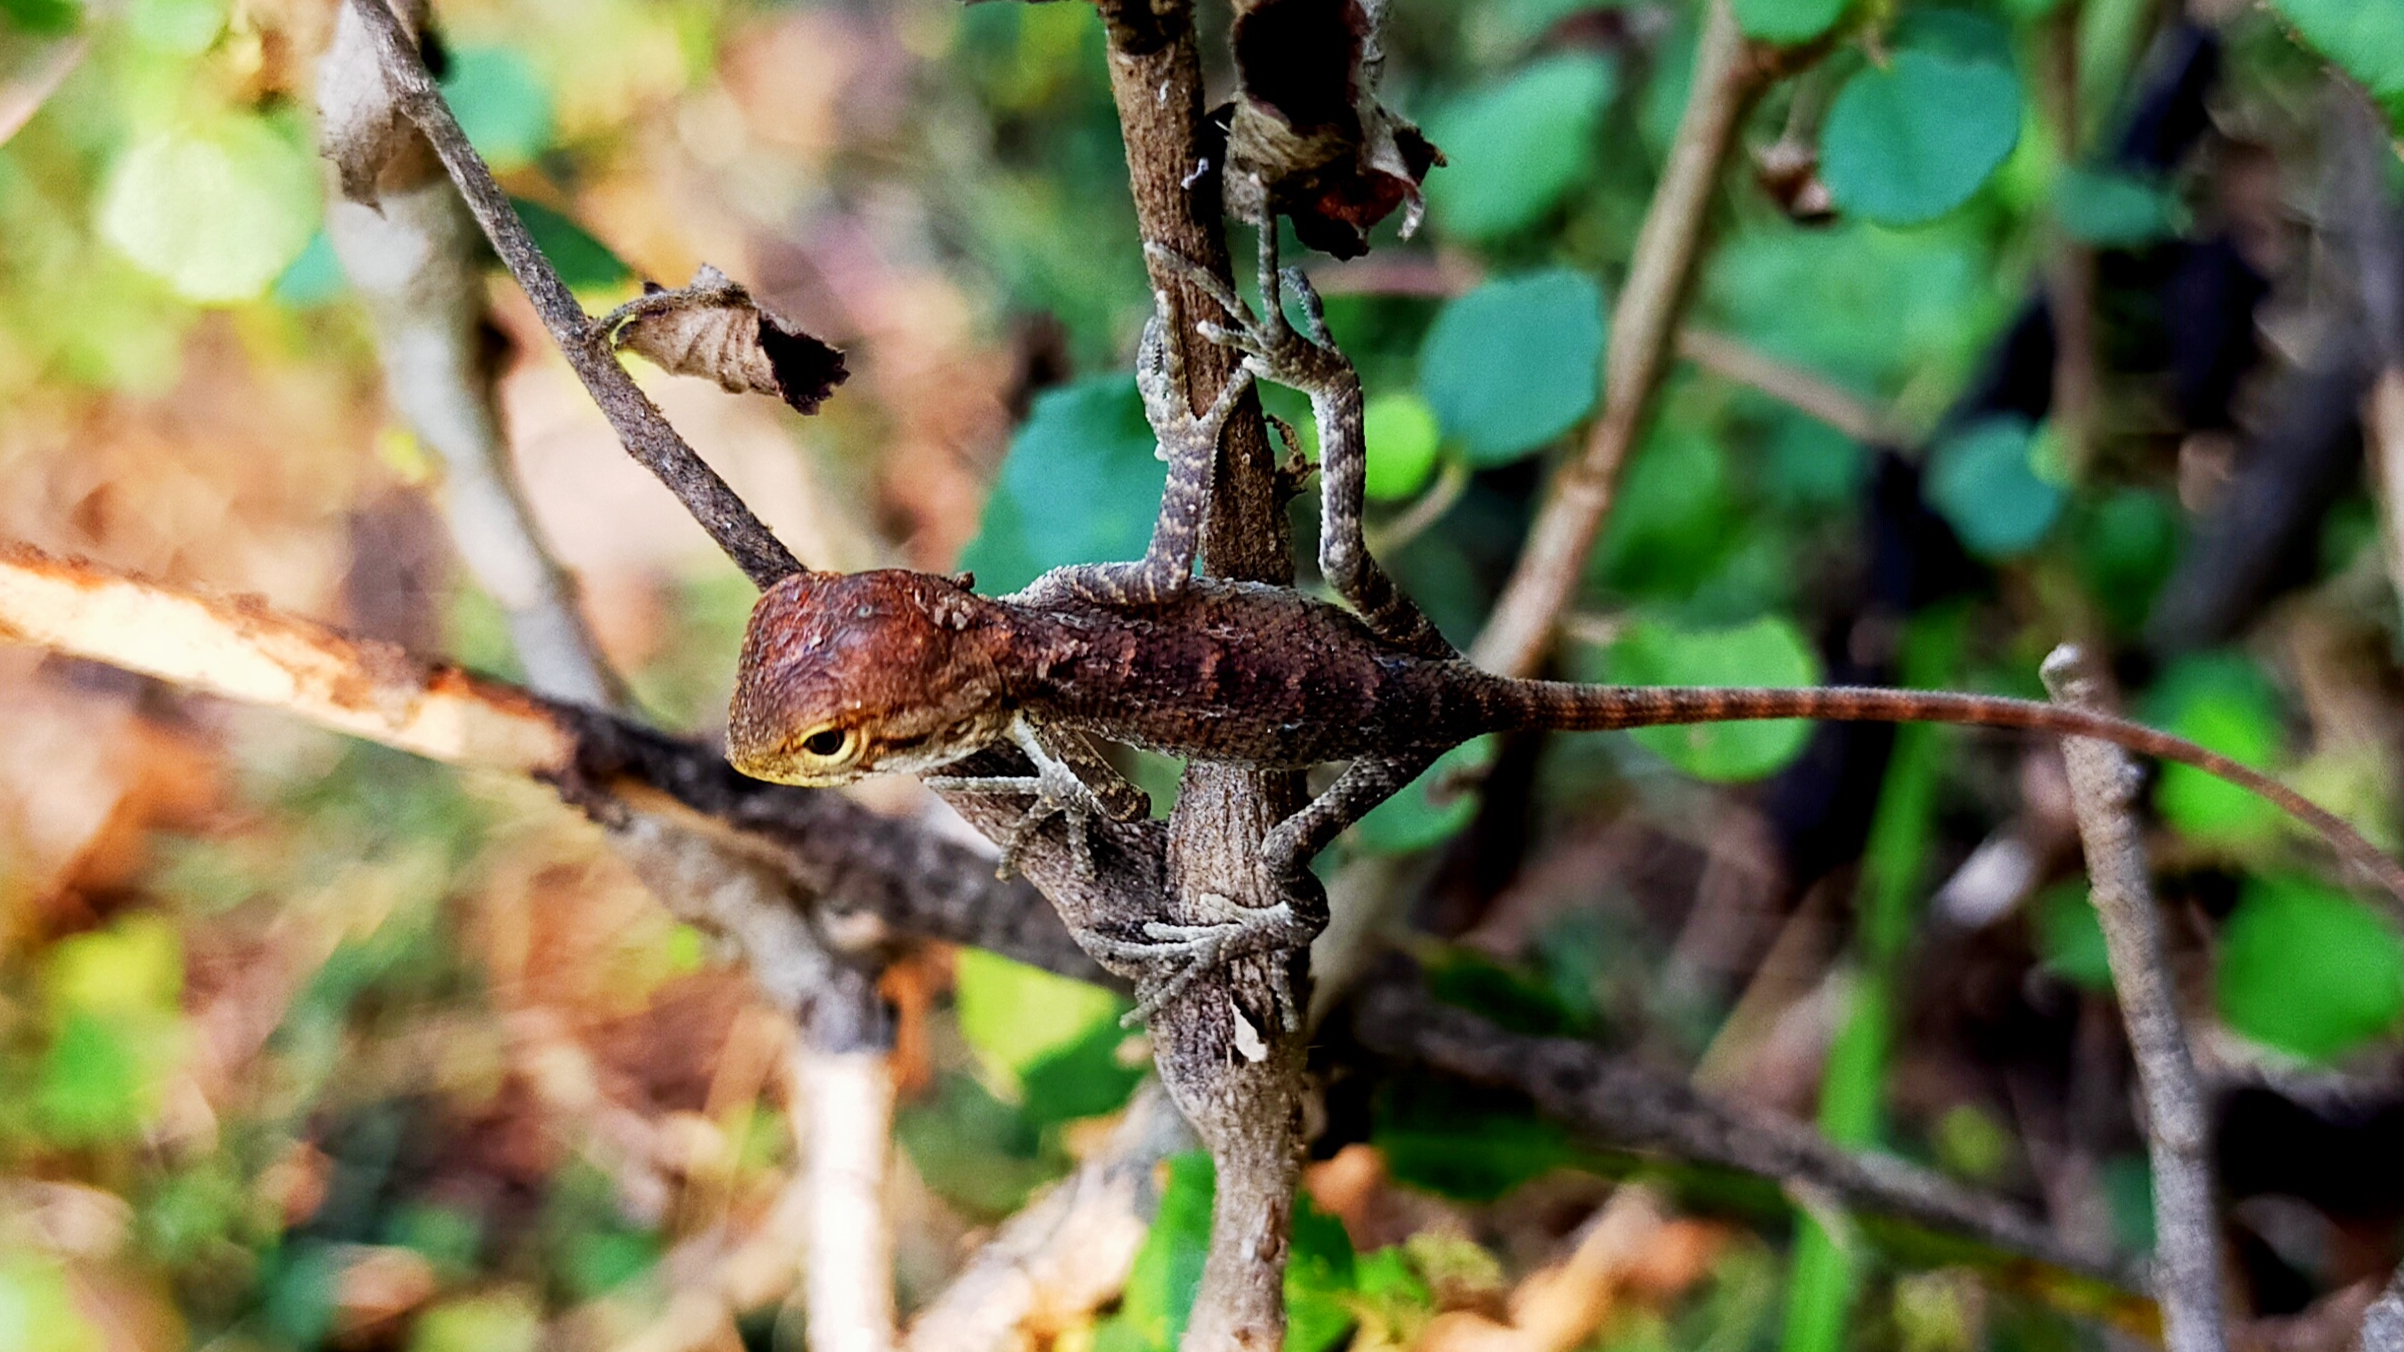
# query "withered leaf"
(712, 327)
(1306, 134)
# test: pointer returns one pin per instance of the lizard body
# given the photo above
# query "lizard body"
(846, 675)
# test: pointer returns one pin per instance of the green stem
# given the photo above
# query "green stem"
(1826, 1274)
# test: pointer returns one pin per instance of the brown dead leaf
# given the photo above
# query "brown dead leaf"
(380, 1284)
(1306, 134)
(712, 327)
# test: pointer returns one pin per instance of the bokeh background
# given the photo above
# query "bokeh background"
(304, 1044)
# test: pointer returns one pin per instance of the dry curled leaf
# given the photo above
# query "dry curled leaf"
(374, 147)
(712, 327)
(1306, 134)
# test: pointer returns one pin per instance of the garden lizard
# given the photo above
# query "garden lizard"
(844, 675)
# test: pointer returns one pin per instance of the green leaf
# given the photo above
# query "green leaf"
(184, 27)
(1080, 485)
(978, 1152)
(1515, 363)
(1788, 21)
(134, 966)
(1086, 1078)
(2224, 702)
(1514, 151)
(1168, 1268)
(2364, 37)
(583, 262)
(2112, 209)
(95, 1084)
(600, 1260)
(1403, 440)
(1768, 651)
(1429, 810)
(2307, 969)
(2070, 940)
(215, 210)
(1984, 482)
(1460, 1142)
(1015, 1015)
(504, 1320)
(502, 102)
(1318, 1280)
(42, 18)
(315, 278)
(38, 1313)
(1911, 142)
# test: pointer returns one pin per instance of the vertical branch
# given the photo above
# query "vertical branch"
(2102, 787)
(1728, 77)
(1221, 1048)
(846, 1111)
(415, 259)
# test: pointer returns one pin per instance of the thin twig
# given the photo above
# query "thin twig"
(1617, 1102)
(638, 422)
(846, 1100)
(2103, 784)
(416, 261)
(25, 93)
(1729, 75)
(873, 881)
(1067, 1253)
(1808, 393)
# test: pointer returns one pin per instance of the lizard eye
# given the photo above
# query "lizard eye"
(829, 743)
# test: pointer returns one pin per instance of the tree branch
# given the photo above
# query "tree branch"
(639, 424)
(1619, 1103)
(1222, 1049)
(1728, 76)
(1065, 1254)
(872, 882)
(2103, 787)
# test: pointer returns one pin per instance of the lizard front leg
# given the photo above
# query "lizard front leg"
(1189, 442)
(1309, 361)
(1071, 781)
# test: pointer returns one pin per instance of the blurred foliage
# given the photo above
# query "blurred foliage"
(328, 1048)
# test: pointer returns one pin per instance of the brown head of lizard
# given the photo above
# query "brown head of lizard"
(850, 674)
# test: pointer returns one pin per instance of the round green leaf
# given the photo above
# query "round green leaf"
(1768, 651)
(1911, 142)
(502, 103)
(2307, 969)
(185, 27)
(1515, 363)
(1788, 20)
(1015, 1015)
(1080, 485)
(2113, 210)
(1515, 150)
(2224, 702)
(2364, 37)
(1984, 483)
(1403, 437)
(216, 211)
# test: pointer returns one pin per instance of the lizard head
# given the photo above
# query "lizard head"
(850, 674)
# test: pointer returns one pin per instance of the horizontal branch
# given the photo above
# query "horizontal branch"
(875, 880)
(1615, 1101)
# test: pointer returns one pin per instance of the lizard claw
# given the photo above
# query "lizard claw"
(1171, 957)
(1057, 792)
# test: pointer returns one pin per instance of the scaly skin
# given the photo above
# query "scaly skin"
(845, 675)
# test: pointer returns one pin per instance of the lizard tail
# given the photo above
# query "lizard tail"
(1566, 707)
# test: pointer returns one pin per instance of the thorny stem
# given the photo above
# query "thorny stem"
(638, 422)
(1245, 1107)
(2103, 784)
(1729, 75)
